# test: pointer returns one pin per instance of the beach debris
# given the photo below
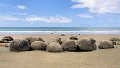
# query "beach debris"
(19, 45)
(7, 38)
(54, 47)
(69, 45)
(38, 45)
(73, 38)
(105, 45)
(87, 45)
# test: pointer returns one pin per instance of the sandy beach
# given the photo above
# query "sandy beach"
(101, 58)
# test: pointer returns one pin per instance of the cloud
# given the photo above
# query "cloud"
(49, 19)
(36, 19)
(85, 16)
(22, 7)
(98, 6)
(9, 18)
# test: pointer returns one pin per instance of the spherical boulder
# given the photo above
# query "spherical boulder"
(62, 34)
(7, 38)
(54, 47)
(38, 45)
(58, 40)
(114, 39)
(69, 45)
(105, 45)
(73, 38)
(1, 41)
(87, 45)
(19, 45)
(30, 39)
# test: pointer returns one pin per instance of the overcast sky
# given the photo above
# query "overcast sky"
(59, 13)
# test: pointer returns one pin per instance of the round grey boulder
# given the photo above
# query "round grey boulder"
(59, 40)
(30, 39)
(73, 38)
(54, 47)
(19, 45)
(7, 38)
(105, 45)
(87, 45)
(69, 46)
(38, 45)
(114, 39)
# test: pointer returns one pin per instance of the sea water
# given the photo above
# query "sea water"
(60, 30)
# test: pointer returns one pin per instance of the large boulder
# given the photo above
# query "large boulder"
(73, 38)
(19, 45)
(105, 45)
(38, 45)
(7, 38)
(69, 45)
(54, 47)
(30, 39)
(87, 45)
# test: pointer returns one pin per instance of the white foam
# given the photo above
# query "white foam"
(60, 32)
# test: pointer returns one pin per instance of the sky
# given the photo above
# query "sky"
(59, 13)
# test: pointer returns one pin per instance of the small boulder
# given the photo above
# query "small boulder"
(114, 39)
(69, 46)
(105, 45)
(54, 47)
(7, 38)
(30, 39)
(73, 38)
(59, 40)
(19, 45)
(38, 45)
(87, 45)
(1, 41)
(62, 34)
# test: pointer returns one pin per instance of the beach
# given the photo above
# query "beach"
(100, 58)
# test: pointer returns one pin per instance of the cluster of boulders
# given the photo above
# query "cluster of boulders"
(58, 45)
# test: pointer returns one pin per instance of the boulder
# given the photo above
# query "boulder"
(54, 47)
(73, 38)
(69, 45)
(38, 45)
(87, 45)
(62, 34)
(30, 39)
(114, 39)
(7, 38)
(19, 45)
(1, 41)
(58, 40)
(105, 45)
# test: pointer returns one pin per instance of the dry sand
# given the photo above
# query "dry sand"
(107, 58)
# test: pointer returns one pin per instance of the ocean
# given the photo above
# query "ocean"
(60, 30)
